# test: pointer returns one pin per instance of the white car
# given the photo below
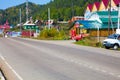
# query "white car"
(113, 41)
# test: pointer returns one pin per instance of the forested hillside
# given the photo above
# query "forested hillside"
(12, 14)
(60, 10)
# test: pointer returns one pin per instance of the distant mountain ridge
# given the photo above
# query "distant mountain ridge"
(60, 10)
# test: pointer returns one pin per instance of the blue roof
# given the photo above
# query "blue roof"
(90, 24)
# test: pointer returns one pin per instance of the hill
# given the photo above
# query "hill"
(12, 14)
(60, 10)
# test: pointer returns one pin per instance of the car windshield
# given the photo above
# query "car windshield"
(113, 36)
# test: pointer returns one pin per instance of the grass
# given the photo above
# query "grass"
(89, 42)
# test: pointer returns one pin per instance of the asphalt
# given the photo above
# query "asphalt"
(59, 60)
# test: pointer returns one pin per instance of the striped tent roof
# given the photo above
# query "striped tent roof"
(105, 2)
(97, 4)
(90, 6)
(116, 2)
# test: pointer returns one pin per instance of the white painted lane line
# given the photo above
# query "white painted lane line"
(119, 76)
(111, 73)
(91, 67)
(104, 71)
(97, 69)
(78, 62)
(18, 76)
(2, 58)
(72, 60)
(85, 65)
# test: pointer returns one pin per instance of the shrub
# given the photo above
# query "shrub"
(52, 33)
(43, 34)
(60, 36)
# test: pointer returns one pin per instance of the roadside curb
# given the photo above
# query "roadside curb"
(2, 76)
(7, 70)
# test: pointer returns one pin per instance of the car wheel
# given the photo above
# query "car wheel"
(107, 47)
(115, 47)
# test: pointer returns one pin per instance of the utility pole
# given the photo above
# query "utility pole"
(27, 10)
(49, 18)
(20, 21)
(72, 8)
(118, 27)
(118, 17)
(109, 13)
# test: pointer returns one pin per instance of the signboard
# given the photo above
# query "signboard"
(31, 27)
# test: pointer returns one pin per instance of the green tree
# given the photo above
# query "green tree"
(60, 10)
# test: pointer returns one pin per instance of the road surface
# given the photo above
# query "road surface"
(59, 60)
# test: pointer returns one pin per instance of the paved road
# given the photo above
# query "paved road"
(59, 60)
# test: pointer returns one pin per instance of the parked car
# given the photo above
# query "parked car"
(113, 41)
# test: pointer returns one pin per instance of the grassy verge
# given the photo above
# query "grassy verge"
(89, 42)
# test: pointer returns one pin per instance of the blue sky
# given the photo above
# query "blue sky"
(9, 3)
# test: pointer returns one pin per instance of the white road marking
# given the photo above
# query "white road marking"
(104, 71)
(119, 76)
(97, 69)
(72, 60)
(111, 73)
(85, 65)
(18, 76)
(78, 62)
(91, 67)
